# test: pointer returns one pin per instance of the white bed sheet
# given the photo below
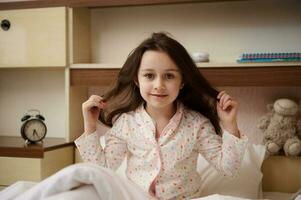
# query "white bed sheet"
(86, 181)
(85, 192)
(89, 192)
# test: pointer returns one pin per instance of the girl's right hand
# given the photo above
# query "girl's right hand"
(91, 110)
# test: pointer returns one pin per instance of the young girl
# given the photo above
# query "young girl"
(163, 114)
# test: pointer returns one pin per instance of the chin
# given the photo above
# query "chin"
(160, 104)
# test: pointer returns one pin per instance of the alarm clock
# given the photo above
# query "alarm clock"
(33, 128)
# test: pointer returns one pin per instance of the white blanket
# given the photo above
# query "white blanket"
(105, 182)
(83, 181)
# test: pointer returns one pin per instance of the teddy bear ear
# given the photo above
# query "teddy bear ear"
(270, 107)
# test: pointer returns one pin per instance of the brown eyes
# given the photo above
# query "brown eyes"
(149, 76)
(167, 76)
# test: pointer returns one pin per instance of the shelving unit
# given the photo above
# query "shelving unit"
(111, 33)
(34, 74)
(86, 32)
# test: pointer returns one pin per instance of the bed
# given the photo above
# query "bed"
(280, 175)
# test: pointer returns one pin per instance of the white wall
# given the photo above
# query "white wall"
(224, 29)
(23, 89)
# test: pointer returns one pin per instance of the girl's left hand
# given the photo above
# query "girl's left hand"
(227, 109)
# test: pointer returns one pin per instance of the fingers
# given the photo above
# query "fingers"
(94, 101)
(225, 100)
(96, 98)
(220, 94)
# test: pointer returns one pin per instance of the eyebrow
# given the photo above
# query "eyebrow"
(176, 70)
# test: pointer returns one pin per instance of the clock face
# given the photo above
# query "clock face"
(35, 130)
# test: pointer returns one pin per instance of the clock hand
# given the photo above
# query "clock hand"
(35, 132)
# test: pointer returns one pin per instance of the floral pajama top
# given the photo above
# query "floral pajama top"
(167, 164)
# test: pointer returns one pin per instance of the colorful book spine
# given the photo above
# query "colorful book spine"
(269, 57)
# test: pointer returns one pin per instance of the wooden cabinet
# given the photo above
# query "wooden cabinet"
(36, 38)
(281, 173)
(14, 169)
(34, 75)
(32, 162)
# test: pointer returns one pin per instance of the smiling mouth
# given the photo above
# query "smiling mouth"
(159, 95)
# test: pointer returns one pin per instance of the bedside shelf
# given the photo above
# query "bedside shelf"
(15, 147)
(32, 162)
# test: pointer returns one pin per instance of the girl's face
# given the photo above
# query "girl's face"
(159, 80)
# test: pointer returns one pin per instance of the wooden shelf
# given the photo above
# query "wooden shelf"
(250, 74)
(18, 4)
(200, 65)
(15, 147)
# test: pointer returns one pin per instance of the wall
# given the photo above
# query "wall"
(23, 89)
(224, 29)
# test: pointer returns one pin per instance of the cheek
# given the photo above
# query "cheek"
(175, 86)
(144, 87)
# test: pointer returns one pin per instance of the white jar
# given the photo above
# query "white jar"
(200, 57)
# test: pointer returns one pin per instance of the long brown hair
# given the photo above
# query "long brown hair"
(197, 94)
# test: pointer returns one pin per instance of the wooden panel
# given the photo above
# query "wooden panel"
(110, 3)
(56, 159)
(281, 174)
(78, 95)
(37, 37)
(228, 76)
(14, 169)
(17, 4)
(93, 77)
(257, 76)
(79, 37)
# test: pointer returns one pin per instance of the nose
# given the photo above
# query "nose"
(159, 84)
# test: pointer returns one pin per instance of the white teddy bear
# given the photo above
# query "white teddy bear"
(281, 128)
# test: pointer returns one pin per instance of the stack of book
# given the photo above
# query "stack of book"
(269, 57)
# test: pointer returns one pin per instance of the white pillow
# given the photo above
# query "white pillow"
(247, 184)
